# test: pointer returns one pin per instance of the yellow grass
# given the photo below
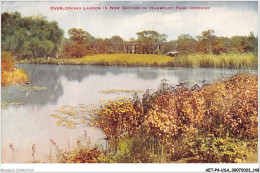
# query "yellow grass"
(17, 76)
(131, 59)
(109, 60)
(230, 60)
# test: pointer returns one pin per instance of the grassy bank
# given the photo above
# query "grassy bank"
(238, 61)
(109, 60)
(215, 123)
(10, 74)
(231, 60)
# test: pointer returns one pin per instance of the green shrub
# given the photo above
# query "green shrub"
(210, 149)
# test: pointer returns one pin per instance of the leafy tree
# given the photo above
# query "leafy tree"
(114, 44)
(78, 35)
(205, 41)
(55, 36)
(10, 23)
(253, 43)
(132, 40)
(148, 38)
(117, 39)
(30, 37)
(221, 45)
(100, 46)
(185, 43)
(239, 44)
(79, 44)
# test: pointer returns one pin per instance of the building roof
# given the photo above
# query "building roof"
(172, 52)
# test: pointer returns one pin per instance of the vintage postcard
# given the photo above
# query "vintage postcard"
(141, 82)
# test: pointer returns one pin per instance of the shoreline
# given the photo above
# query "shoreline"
(246, 61)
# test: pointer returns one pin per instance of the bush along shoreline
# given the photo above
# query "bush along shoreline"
(199, 60)
(215, 123)
(10, 74)
(212, 124)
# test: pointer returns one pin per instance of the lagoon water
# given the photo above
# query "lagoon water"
(29, 122)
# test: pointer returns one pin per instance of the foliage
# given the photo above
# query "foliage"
(206, 41)
(79, 155)
(147, 39)
(185, 44)
(134, 150)
(10, 75)
(75, 50)
(83, 152)
(226, 108)
(211, 149)
(7, 62)
(77, 45)
(117, 119)
(81, 43)
(114, 44)
(209, 43)
(244, 44)
(78, 35)
(234, 106)
(15, 77)
(30, 37)
(214, 123)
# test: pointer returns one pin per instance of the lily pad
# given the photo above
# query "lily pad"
(70, 116)
(6, 103)
(33, 88)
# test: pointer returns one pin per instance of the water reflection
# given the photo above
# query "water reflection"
(196, 76)
(80, 72)
(42, 76)
(50, 76)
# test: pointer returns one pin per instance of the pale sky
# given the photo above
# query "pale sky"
(225, 18)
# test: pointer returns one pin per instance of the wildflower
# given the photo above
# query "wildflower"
(11, 147)
(53, 143)
(33, 150)
(78, 141)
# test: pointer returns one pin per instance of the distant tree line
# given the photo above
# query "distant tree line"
(81, 43)
(34, 37)
(208, 42)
